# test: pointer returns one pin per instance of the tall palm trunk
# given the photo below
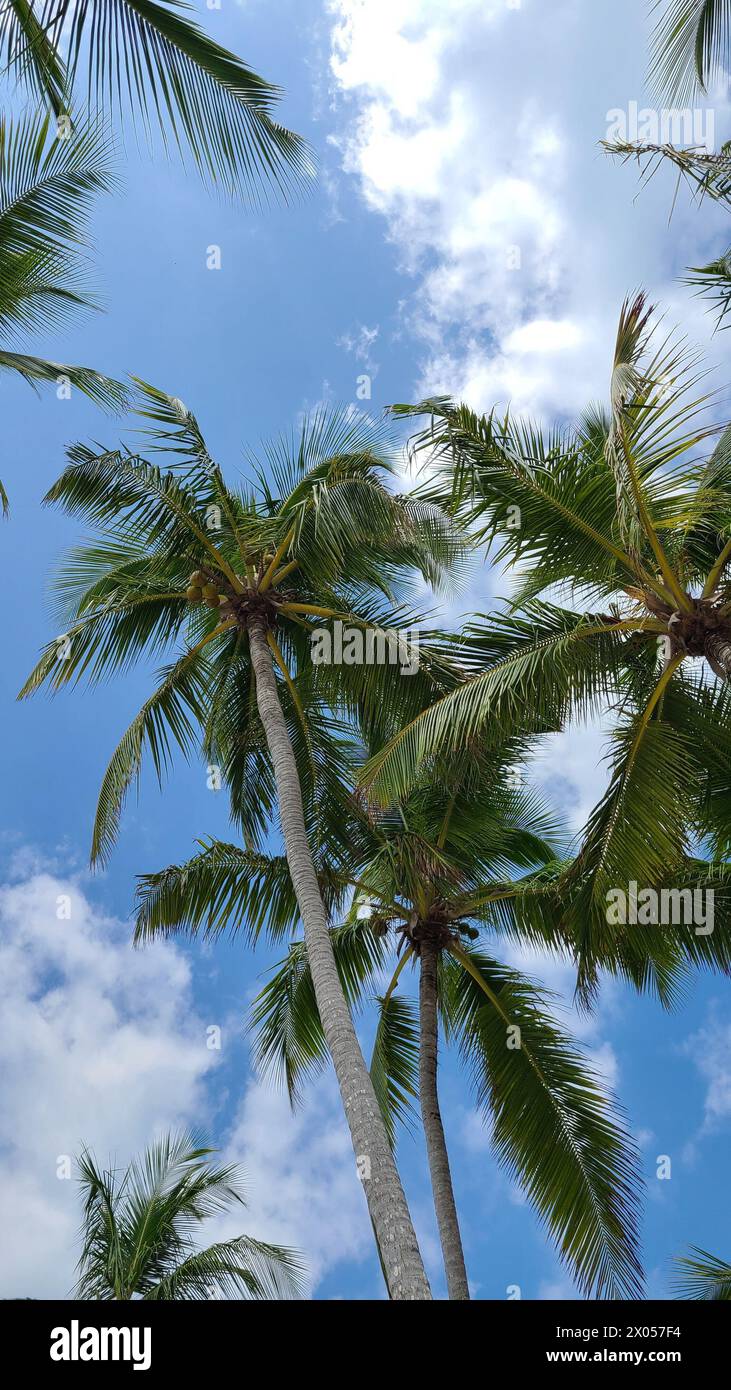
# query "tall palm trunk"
(718, 651)
(389, 1213)
(436, 1147)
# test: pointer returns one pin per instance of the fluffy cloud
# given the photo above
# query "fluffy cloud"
(473, 130)
(522, 237)
(303, 1190)
(103, 1046)
(100, 1047)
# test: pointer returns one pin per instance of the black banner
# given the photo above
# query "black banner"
(154, 1339)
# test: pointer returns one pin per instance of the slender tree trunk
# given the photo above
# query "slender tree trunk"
(718, 651)
(389, 1213)
(436, 1146)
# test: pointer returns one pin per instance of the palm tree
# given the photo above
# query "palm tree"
(147, 59)
(247, 577)
(139, 1228)
(46, 186)
(702, 1276)
(618, 516)
(429, 877)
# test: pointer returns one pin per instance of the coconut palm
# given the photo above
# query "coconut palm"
(46, 186)
(149, 61)
(139, 1231)
(423, 882)
(246, 577)
(620, 517)
(699, 1275)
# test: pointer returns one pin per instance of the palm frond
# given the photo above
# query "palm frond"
(691, 47)
(700, 1276)
(395, 1060)
(222, 889)
(173, 711)
(151, 62)
(553, 1125)
(139, 1230)
(104, 391)
(526, 672)
(289, 1042)
(243, 1269)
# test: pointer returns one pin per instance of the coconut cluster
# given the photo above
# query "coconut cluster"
(201, 589)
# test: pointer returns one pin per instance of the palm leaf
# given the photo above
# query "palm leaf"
(395, 1060)
(138, 1231)
(154, 63)
(102, 390)
(552, 1124)
(690, 47)
(150, 60)
(224, 888)
(240, 1269)
(289, 1042)
(700, 1276)
(173, 710)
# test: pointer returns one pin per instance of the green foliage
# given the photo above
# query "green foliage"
(629, 518)
(344, 538)
(395, 1060)
(139, 1231)
(552, 1126)
(700, 1276)
(46, 188)
(149, 61)
(445, 853)
(691, 47)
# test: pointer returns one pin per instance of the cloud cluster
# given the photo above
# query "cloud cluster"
(473, 128)
(103, 1046)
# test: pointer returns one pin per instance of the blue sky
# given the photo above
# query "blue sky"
(448, 135)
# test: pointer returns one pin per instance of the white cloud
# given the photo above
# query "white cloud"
(103, 1046)
(360, 342)
(303, 1189)
(571, 769)
(710, 1049)
(100, 1047)
(473, 129)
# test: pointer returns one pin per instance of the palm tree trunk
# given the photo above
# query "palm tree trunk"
(718, 651)
(389, 1213)
(436, 1146)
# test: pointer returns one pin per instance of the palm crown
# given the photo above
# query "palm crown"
(139, 1231)
(620, 516)
(156, 63)
(317, 539)
(428, 877)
